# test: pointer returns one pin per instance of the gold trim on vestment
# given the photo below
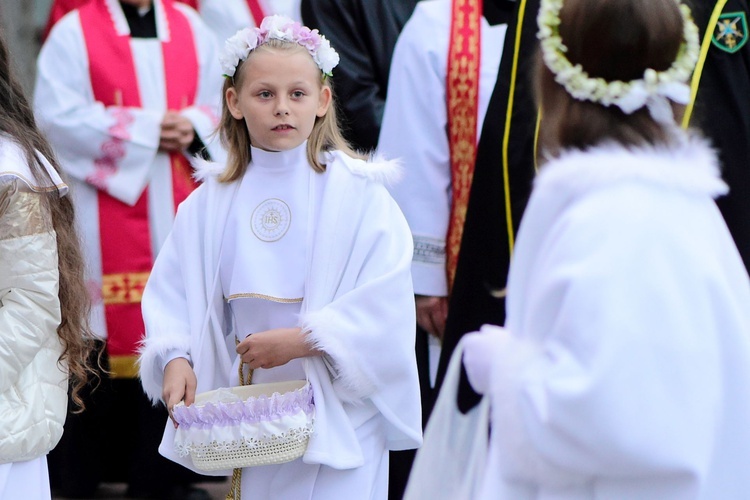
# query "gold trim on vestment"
(123, 288)
(123, 366)
(263, 297)
(462, 89)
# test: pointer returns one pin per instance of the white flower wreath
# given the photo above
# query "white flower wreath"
(652, 90)
(239, 46)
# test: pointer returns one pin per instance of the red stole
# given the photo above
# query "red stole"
(462, 92)
(124, 230)
(256, 11)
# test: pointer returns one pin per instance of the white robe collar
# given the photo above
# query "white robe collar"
(690, 165)
(377, 169)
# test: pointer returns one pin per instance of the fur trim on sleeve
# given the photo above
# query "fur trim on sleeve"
(350, 381)
(204, 169)
(150, 355)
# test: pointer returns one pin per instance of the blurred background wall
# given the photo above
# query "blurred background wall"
(22, 23)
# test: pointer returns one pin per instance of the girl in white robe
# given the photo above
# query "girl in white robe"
(294, 259)
(623, 366)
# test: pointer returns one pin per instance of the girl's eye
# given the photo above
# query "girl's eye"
(264, 94)
(297, 94)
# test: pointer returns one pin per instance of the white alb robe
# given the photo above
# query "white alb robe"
(78, 126)
(358, 305)
(625, 370)
(415, 125)
(226, 17)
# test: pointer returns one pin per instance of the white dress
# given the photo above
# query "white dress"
(357, 304)
(624, 373)
(25, 480)
(262, 270)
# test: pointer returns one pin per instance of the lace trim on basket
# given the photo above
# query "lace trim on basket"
(298, 434)
(259, 409)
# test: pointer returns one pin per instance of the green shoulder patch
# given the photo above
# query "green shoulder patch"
(730, 34)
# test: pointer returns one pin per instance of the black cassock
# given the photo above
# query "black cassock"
(364, 33)
(722, 108)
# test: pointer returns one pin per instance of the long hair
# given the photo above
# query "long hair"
(614, 40)
(326, 134)
(17, 121)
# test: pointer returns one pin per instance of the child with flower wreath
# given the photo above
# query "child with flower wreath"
(293, 259)
(623, 366)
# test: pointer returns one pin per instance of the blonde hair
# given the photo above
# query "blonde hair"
(325, 136)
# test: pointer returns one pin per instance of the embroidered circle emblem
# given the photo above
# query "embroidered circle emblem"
(271, 220)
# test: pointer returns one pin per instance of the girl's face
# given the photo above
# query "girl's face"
(279, 98)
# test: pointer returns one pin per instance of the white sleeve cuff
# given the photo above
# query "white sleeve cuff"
(429, 279)
(174, 354)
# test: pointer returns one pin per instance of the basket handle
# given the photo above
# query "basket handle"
(235, 491)
(241, 370)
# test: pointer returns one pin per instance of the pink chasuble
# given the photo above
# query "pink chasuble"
(126, 252)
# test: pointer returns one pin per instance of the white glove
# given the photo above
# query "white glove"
(480, 350)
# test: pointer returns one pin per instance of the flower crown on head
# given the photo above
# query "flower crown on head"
(239, 46)
(652, 91)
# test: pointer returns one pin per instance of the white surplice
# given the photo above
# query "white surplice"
(415, 129)
(226, 17)
(357, 303)
(624, 369)
(78, 126)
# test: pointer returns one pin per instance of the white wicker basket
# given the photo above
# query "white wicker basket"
(244, 426)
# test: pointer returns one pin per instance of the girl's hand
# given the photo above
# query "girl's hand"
(273, 348)
(179, 384)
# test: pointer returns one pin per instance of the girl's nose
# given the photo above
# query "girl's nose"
(282, 108)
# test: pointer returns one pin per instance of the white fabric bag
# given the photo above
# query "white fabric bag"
(451, 462)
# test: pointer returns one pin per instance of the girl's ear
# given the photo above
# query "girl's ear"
(325, 101)
(233, 103)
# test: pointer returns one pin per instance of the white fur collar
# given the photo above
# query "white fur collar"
(204, 169)
(690, 166)
(377, 169)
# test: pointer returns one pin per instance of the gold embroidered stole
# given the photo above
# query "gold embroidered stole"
(462, 93)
